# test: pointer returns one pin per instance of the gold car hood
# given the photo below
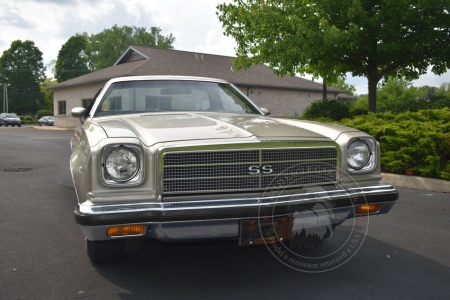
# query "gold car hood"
(165, 127)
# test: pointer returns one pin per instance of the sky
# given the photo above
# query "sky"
(50, 23)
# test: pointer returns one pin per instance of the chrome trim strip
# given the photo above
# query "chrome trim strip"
(233, 203)
(251, 176)
(250, 162)
(248, 189)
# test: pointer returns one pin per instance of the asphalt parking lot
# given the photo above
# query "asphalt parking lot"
(405, 254)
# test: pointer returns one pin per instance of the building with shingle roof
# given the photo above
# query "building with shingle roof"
(285, 96)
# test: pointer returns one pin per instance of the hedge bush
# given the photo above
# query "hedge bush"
(44, 112)
(326, 108)
(412, 142)
(358, 111)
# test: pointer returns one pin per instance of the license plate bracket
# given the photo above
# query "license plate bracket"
(273, 230)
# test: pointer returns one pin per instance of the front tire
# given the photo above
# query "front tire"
(105, 251)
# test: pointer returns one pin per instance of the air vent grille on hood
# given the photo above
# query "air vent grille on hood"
(164, 114)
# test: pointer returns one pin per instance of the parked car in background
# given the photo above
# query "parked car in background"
(46, 120)
(10, 119)
(185, 158)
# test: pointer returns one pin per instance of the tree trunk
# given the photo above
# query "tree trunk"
(324, 91)
(373, 81)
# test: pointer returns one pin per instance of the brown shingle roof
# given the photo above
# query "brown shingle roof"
(184, 63)
(344, 96)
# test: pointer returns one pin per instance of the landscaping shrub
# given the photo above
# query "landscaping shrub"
(417, 142)
(29, 120)
(43, 112)
(326, 108)
(358, 111)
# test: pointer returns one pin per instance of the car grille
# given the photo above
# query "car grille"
(249, 169)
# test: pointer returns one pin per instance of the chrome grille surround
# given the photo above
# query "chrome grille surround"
(229, 168)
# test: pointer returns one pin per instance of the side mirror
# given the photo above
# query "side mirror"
(265, 111)
(78, 112)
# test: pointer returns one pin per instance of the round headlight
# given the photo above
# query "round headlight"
(358, 154)
(121, 164)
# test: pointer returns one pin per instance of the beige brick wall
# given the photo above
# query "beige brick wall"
(281, 102)
(74, 98)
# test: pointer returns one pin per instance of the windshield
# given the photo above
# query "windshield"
(11, 115)
(171, 96)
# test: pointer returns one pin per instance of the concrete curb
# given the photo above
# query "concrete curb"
(418, 183)
(51, 128)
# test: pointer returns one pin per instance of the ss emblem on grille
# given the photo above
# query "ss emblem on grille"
(255, 170)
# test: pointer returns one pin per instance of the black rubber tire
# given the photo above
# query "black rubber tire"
(40, 124)
(12, 125)
(6, 125)
(105, 251)
(20, 125)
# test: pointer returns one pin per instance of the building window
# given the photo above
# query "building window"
(61, 107)
(86, 102)
(157, 103)
(115, 103)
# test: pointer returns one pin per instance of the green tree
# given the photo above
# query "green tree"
(435, 97)
(104, 49)
(48, 94)
(397, 95)
(340, 83)
(329, 38)
(23, 70)
(72, 60)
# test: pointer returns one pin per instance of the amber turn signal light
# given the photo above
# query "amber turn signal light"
(368, 209)
(126, 230)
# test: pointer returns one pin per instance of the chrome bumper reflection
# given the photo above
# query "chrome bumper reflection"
(351, 192)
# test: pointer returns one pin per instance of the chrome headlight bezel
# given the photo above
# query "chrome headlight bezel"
(372, 159)
(136, 178)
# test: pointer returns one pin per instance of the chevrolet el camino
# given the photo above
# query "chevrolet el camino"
(184, 158)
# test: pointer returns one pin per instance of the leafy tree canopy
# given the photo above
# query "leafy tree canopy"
(397, 95)
(48, 94)
(340, 83)
(72, 60)
(329, 38)
(22, 68)
(104, 49)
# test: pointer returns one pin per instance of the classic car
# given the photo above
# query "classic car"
(10, 119)
(179, 158)
(47, 120)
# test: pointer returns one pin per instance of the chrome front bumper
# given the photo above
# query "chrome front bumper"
(192, 220)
